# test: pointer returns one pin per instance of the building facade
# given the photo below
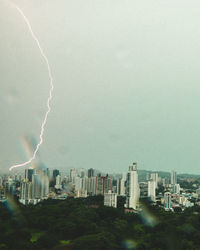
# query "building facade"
(133, 191)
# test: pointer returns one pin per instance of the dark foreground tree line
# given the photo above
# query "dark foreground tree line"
(81, 224)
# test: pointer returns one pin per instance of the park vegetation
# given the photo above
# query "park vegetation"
(81, 224)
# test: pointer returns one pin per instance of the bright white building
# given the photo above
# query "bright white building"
(110, 199)
(133, 190)
(58, 182)
(152, 190)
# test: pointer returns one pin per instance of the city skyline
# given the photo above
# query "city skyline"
(169, 192)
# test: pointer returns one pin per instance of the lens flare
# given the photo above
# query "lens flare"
(50, 91)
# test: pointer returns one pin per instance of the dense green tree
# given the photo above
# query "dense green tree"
(86, 224)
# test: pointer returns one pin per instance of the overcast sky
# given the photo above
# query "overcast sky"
(127, 83)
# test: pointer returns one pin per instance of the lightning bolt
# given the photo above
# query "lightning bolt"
(50, 91)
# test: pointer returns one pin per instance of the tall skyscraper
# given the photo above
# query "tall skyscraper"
(91, 186)
(36, 191)
(167, 201)
(26, 192)
(82, 173)
(133, 191)
(123, 184)
(40, 185)
(78, 183)
(28, 174)
(56, 172)
(154, 177)
(84, 184)
(103, 184)
(90, 172)
(44, 183)
(73, 175)
(152, 190)
(173, 178)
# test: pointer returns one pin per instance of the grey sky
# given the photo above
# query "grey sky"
(126, 77)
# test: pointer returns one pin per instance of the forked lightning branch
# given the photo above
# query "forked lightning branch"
(42, 129)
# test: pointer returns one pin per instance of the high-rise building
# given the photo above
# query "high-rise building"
(116, 186)
(91, 186)
(152, 190)
(167, 201)
(58, 182)
(110, 199)
(73, 175)
(154, 177)
(173, 178)
(176, 189)
(99, 189)
(82, 173)
(84, 183)
(103, 184)
(35, 186)
(165, 182)
(10, 186)
(78, 183)
(36, 190)
(44, 179)
(56, 172)
(90, 172)
(40, 185)
(26, 192)
(28, 174)
(133, 191)
(122, 186)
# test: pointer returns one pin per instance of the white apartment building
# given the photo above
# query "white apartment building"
(152, 190)
(133, 191)
(110, 199)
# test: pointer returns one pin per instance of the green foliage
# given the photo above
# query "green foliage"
(85, 224)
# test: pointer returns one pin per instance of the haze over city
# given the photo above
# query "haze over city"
(126, 80)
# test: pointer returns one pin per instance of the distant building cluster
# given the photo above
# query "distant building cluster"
(38, 184)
